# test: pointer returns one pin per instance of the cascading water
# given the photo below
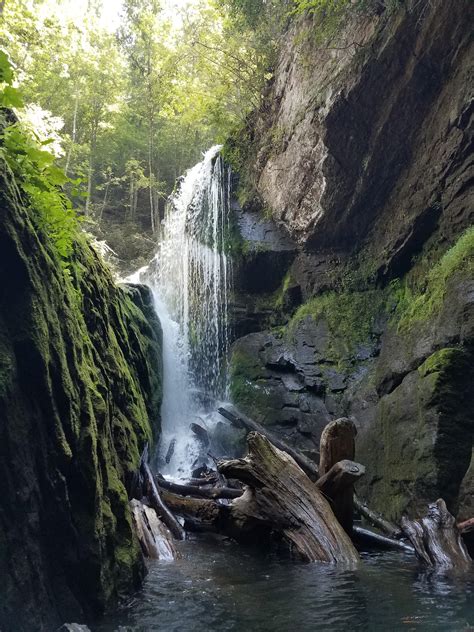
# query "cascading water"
(191, 280)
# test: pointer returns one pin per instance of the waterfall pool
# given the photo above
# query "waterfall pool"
(218, 586)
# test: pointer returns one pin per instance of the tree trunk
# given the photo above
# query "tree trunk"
(201, 492)
(337, 443)
(436, 538)
(336, 447)
(377, 520)
(157, 503)
(281, 498)
(74, 133)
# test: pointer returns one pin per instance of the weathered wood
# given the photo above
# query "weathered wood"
(155, 539)
(466, 526)
(241, 421)
(202, 492)
(342, 475)
(338, 487)
(281, 498)
(205, 510)
(156, 502)
(436, 539)
(381, 540)
(337, 445)
(376, 520)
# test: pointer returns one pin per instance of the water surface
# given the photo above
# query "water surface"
(218, 586)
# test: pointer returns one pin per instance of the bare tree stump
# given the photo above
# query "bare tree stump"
(436, 539)
(337, 444)
(281, 498)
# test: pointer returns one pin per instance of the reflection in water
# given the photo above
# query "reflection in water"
(218, 586)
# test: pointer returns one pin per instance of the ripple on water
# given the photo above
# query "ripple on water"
(226, 588)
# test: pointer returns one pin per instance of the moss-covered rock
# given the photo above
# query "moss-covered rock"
(80, 391)
(419, 447)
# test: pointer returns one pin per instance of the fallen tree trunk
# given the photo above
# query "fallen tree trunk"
(202, 510)
(155, 539)
(240, 421)
(281, 498)
(202, 492)
(436, 539)
(376, 520)
(381, 540)
(153, 496)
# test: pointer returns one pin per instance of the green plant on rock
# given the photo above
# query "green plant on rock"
(31, 170)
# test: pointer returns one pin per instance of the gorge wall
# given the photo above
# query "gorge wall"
(359, 165)
(80, 393)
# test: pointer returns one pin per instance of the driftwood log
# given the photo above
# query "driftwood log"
(281, 498)
(199, 491)
(436, 539)
(241, 421)
(376, 539)
(338, 486)
(155, 539)
(153, 496)
(375, 519)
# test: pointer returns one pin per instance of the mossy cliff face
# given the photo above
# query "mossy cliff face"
(360, 154)
(80, 392)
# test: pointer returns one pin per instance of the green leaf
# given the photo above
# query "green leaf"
(11, 98)
(6, 71)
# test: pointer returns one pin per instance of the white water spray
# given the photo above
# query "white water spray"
(191, 283)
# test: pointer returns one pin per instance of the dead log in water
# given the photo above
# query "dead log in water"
(212, 492)
(155, 539)
(377, 520)
(336, 444)
(241, 421)
(372, 538)
(436, 539)
(153, 496)
(200, 514)
(281, 498)
(336, 447)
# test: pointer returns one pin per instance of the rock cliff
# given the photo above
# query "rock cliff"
(80, 391)
(362, 156)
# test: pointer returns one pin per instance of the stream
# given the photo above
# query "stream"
(228, 588)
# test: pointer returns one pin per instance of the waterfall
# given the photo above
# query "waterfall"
(191, 279)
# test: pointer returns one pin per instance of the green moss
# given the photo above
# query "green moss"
(247, 388)
(439, 361)
(420, 296)
(88, 354)
(350, 316)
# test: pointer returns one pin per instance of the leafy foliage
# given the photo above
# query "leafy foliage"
(34, 171)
